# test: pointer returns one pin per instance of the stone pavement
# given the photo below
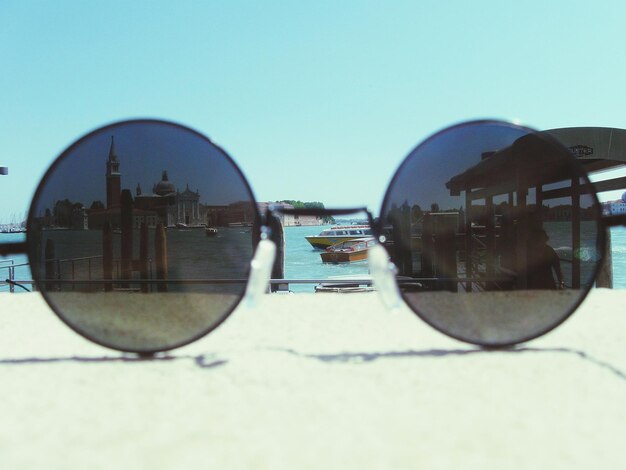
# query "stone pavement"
(312, 381)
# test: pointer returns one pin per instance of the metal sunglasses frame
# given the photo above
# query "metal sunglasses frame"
(382, 270)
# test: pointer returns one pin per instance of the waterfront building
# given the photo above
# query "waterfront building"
(172, 206)
(289, 220)
(113, 177)
(216, 215)
(615, 207)
(165, 204)
(186, 209)
(80, 219)
(97, 218)
(240, 213)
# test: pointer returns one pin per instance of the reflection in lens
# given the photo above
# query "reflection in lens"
(140, 235)
(494, 232)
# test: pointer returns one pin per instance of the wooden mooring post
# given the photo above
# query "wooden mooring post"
(160, 256)
(427, 256)
(401, 232)
(605, 276)
(50, 264)
(129, 264)
(126, 224)
(143, 257)
(107, 256)
(445, 252)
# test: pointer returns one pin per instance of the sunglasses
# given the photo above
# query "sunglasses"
(144, 235)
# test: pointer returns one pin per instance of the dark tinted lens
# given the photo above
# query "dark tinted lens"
(494, 230)
(140, 235)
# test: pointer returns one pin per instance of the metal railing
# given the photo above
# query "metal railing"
(66, 269)
(9, 265)
(283, 284)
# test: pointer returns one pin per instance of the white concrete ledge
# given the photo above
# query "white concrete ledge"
(315, 381)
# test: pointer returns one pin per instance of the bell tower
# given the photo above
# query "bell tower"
(113, 178)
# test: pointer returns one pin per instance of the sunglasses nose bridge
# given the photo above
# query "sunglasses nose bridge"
(383, 276)
(260, 271)
(319, 211)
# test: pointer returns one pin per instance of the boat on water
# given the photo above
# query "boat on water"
(348, 251)
(186, 227)
(346, 284)
(338, 233)
(210, 231)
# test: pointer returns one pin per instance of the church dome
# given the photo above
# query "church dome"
(164, 187)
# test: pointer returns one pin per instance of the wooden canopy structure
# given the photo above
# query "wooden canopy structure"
(597, 148)
(538, 162)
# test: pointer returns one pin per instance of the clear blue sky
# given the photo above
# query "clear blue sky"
(314, 100)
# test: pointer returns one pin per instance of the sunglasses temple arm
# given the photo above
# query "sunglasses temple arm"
(318, 211)
(383, 276)
(260, 272)
(13, 248)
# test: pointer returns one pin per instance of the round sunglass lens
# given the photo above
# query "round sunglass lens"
(494, 230)
(139, 235)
